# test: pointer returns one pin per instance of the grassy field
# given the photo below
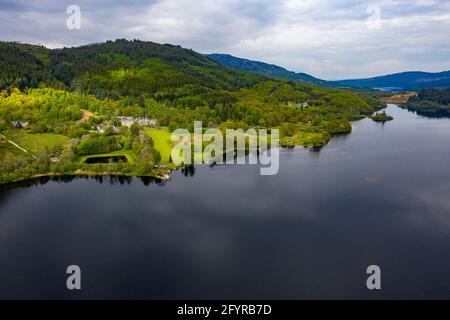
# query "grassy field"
(35, 142)
(161, 138)
(306, 139)
(131, 157)
(7, 150)
(162, 142)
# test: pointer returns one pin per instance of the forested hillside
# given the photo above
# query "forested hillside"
(24, 66)
(431, 103)
(65, 104)
(269, 70)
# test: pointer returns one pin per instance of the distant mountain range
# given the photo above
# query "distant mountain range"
(414, 80)
(268, 70)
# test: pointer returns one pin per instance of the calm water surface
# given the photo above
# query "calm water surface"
(377, 196)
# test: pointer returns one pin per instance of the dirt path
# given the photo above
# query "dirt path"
(18, 147)
(401, 97)
(86, 115)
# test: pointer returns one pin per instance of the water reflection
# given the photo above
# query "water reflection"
(434, 114)
(189, 170)
(100, 179)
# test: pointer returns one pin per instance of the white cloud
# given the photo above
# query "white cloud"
(327, 38)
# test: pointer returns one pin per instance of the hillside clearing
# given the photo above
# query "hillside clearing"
(36, 142)
(162, 142)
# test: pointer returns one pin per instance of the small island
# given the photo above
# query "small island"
(381, 117)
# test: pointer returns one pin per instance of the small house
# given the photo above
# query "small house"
(20, 124)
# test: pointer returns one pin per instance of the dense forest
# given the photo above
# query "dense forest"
(64, 104)
(269, 70)
(431, 103)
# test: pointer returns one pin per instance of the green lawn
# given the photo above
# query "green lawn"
(161, 138)
(7, 150)
(35, 142)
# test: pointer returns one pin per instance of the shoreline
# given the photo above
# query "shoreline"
(164, 177)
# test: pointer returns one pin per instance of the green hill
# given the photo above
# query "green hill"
(269, 70)
(77, 95)
(24, 66)
(145, 73)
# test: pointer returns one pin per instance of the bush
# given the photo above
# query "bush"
(97, 145)
(337, 126)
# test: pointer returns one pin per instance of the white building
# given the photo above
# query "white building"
(299, 105)
(144, 122)
(102, 128)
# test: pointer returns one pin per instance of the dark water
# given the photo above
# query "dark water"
(377, 196)
(113, 159)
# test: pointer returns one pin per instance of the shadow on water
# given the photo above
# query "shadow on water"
(432, 114)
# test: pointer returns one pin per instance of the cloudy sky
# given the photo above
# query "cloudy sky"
(331, 39)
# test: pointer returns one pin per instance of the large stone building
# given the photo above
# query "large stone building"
(144, 122)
